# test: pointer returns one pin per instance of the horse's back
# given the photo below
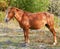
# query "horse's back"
(37, 20)
(41, 19)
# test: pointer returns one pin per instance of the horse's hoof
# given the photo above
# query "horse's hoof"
(54, 43)
(26, 44)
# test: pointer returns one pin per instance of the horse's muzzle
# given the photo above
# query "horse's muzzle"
(6, 19)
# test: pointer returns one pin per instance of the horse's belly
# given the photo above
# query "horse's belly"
(37, 25)
(34, 27)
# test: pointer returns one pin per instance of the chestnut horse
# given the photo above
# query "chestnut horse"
(29, 20)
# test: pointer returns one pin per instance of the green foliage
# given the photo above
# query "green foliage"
(31, 5)
(2, 14)
(3, 5)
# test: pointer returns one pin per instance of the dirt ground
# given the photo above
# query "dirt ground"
(11, 37)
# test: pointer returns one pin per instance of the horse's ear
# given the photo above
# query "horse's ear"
(9, 7)
(17, 9)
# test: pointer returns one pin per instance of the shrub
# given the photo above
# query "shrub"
(2, 14)
(31, 5)
(55, 7)
(3, 5)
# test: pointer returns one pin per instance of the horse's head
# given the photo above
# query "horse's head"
(9, 14)
(13, 12)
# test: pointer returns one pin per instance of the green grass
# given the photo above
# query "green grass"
(2, 15)
(57, 21)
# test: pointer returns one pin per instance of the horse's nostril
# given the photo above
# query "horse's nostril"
(6, 20)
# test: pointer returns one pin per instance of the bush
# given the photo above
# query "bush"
(31, 5)
(2, 14)
(3, 5)
(55, 7)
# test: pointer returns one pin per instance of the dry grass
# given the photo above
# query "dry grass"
(12, 37)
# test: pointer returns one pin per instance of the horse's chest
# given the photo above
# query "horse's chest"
(24, 24)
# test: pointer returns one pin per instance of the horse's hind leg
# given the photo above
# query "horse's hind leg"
(51, 28)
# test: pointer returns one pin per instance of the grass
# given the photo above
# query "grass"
(2, 15)
(57, 21)
(14, 38)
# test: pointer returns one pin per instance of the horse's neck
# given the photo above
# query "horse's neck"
(18, 15)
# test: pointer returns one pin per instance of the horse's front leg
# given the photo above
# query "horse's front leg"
(26, 35)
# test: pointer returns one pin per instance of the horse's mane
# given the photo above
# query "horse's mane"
(18, 9)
